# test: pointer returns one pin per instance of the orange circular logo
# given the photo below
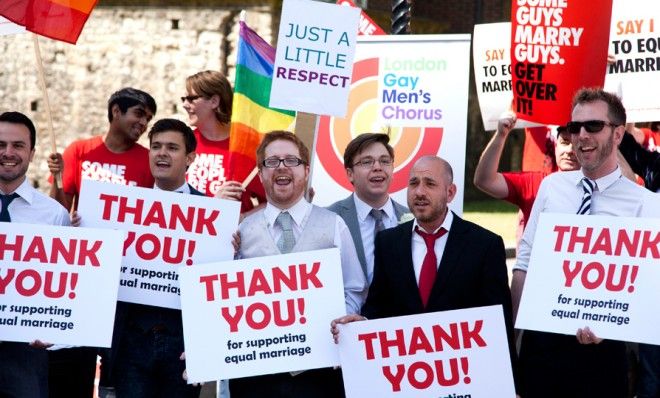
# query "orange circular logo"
(334, 134)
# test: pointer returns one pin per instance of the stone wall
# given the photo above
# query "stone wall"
(149, 48)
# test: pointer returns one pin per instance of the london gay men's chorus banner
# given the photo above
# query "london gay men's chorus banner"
(635, 44)
(415, 86)
(557, 47)
(447, 354)
(164, 232)
(261, 315)
(58, 284)
(314, 58)
(595, 271)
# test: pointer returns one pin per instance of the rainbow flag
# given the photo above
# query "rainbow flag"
(58, 19)
(251, 117)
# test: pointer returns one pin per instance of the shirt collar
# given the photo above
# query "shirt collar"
(446, 224)
(297, 211)
(363, 209)
(24, 190)
(185, 188)
(603, 182)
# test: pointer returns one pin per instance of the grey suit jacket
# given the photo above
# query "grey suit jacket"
(345, 209)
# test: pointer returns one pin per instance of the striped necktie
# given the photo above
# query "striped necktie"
(588, 187)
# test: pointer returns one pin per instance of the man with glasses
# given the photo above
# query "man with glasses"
(369, 163)
(287, 224)
(554, 365)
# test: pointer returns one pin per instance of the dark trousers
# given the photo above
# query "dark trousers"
(555, 365)
(23, 371)
(649, 371)
(148, 365)
(315, 383)
(71, 372)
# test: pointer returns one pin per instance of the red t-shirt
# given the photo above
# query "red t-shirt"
(651, 139)
(91, 159)
(523, 187)
(208, 172)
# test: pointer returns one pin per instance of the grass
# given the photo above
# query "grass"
(495, 215)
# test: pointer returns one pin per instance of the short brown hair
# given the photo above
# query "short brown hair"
(209, 83)
(281, 135)
(615, 109)
(361, 142)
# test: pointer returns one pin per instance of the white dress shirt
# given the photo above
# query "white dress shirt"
(367, 226)
(355, 284)
(614, 195)
(33, 207)
(419, 245)
(185, 188)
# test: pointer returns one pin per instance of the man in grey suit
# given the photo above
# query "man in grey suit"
(369, 163)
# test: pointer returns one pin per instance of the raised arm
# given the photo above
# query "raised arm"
(486, 176)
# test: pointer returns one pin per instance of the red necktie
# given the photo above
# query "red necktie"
(429, 265)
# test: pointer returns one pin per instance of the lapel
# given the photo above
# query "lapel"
(402, 266)
(451, 256)
(399, 210)
(349, 214)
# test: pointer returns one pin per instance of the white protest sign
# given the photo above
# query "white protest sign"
(58, 284)
(595, 271)
(164, 231)
(439, 66)
(261, 315)
(491, 55)
(461, 353)
(635, 44)
(7, 27)
(314, 59)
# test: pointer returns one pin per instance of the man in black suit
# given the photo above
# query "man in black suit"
(466, 268)
(148, 341)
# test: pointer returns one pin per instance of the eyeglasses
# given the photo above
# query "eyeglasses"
(190, 98)
(592, 126)
(368, 163)
(273, 163)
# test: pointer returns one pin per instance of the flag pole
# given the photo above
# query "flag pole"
(57, 178)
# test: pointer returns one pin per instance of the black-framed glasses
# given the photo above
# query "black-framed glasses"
(190, 98)
(273, 163)
(368, 163)
(591, 126)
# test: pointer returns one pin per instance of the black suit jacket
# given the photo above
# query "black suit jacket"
(472, 273)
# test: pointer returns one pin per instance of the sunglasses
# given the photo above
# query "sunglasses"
(591, 126)
(190, 98)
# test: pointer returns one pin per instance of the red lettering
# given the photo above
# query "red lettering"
(155, 215)
(48, 285)
(419, 342)
(258, 283)
(177, 257)
(600, 275)
(67, 254)
(368, 340)
(87, 255)
(623, 277)
(16, 248)
(130, 237)
(307, 277)
(277, 313)
(107, 204)
(125, 209)
(208, 281)
(623, 239)
(178, 218)
(25, 288)
(472, 335)
(232, 320)
(251, 320)
(36, 251)
(440, 336)
(649, 245)
(560, 230)
(148, 253)
(226, 285)
(5, 281)
(397, 342)
(569, 273)
(603, 243)
(204, 222)
(394, 379)
(289, 280)
(577, 239)
(427, 375)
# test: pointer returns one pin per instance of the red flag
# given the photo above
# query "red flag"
(367, 25)
(554, 52)
(58, 19)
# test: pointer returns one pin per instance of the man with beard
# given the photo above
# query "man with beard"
(369, 163)
(114, 157)
(554, 365)
(438, 261)
(288, 224)
(23, 367)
